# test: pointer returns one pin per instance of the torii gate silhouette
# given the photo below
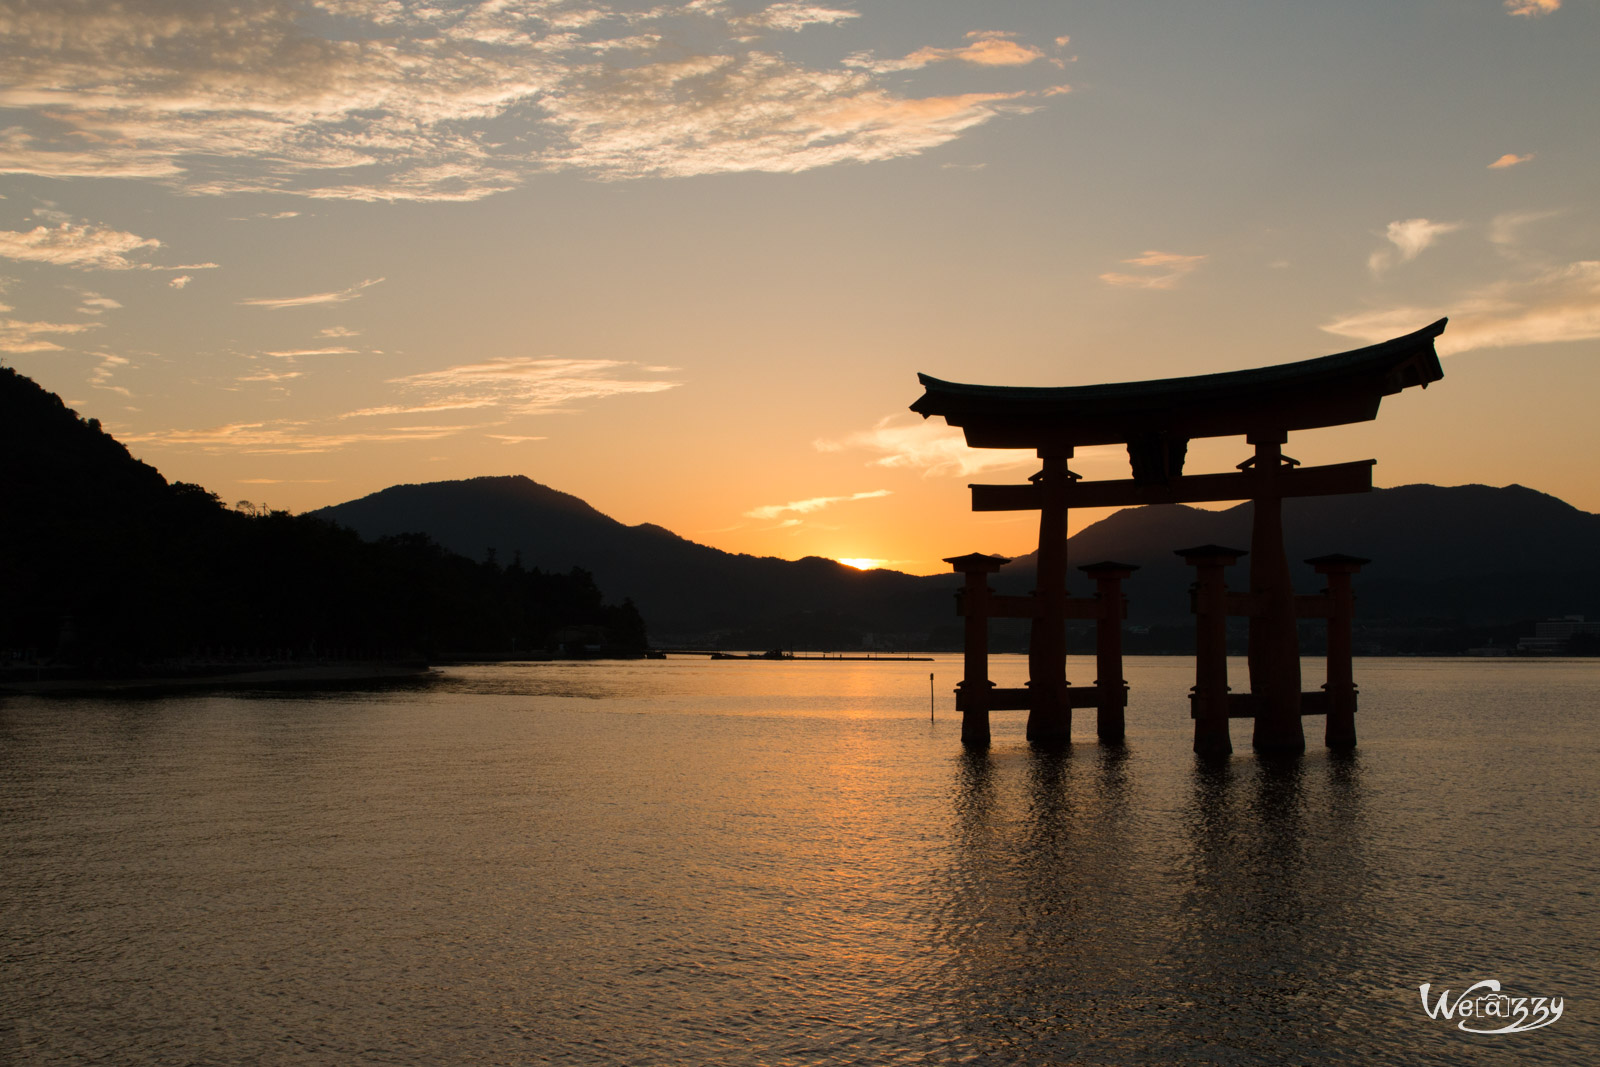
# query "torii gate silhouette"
(1156, 420)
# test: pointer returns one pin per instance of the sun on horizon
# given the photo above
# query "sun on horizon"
(861, 563)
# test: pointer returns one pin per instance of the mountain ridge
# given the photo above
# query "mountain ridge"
(1473, 554)
(684, 588)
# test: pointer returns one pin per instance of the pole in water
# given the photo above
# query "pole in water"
(930, 696)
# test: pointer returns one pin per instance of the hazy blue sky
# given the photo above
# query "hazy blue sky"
(685, 259)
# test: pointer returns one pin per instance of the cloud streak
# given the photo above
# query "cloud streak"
(816, 503)
(81, 246)
(283, 437)
(1510, 159)
(18, 336)
(793, 17)
(341, 296)
(986, 50)
(1532, 8)
(518, 386)
(532, 386)
(1554, 305)
(1505, 230)
(419, 409)
(297, 353)
(929, 447)
(453, 100)
(1164, 270)
(100, 377)
(756, 112)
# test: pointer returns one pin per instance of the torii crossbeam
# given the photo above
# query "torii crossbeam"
(1156, 420)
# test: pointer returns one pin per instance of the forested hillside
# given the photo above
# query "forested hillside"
(105, 563)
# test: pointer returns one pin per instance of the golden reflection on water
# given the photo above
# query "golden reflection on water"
(784, 863)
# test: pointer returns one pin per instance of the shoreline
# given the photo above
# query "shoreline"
(74, 682)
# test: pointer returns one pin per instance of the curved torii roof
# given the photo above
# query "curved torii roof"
(1326, 391)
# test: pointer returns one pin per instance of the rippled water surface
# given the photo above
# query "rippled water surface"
(766, 863)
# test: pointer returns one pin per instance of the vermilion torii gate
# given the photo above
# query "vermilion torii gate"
(1156, 420)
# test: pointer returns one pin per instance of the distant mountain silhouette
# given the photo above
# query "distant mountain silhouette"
(684, 590)
(1471, 553)
(1465, 554)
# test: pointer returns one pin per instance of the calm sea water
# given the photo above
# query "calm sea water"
(771, 863)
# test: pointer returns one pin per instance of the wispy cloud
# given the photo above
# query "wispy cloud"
(271, 376)
(80, 245)
(454, 100)
(18, 336)
(756, 112)
(806, 507)
(419, 409)
(1509, 160)
(283, 481)
(341, 296)
(108, 365)
(95, 304)
(931, 447)
(792, 16)
(530, 385)
(1409, 238)
(1163, 270)
(283, 437)
(180, 281)
(1506, 229)
(513, 439)
(296, 353)
(987, 49)
(1552, 305)
(1532, 8)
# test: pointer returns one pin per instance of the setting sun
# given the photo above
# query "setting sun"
(863, 564)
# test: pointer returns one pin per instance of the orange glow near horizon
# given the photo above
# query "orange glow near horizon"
(693, 286)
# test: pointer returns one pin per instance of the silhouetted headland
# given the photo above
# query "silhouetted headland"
(111, 572)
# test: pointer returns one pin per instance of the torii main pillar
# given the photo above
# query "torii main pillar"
(1049, 704)
(1274, 649)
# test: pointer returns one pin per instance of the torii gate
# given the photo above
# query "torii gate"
(1157, 420)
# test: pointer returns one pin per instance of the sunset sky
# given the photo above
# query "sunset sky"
(685, 259)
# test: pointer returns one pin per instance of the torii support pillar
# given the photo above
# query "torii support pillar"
(1111, 689)
(972, 695)
(1341, 684)
(1274, 651)
(1049, 704)
(1209, 700)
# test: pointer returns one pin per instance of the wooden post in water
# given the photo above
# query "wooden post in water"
(1341, 684)
(972, 694)
(1049, 708)
(1274, 651)
(1111, 689)
(1209, 701)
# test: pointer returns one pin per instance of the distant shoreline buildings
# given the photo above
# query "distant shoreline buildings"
(1553, 637)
